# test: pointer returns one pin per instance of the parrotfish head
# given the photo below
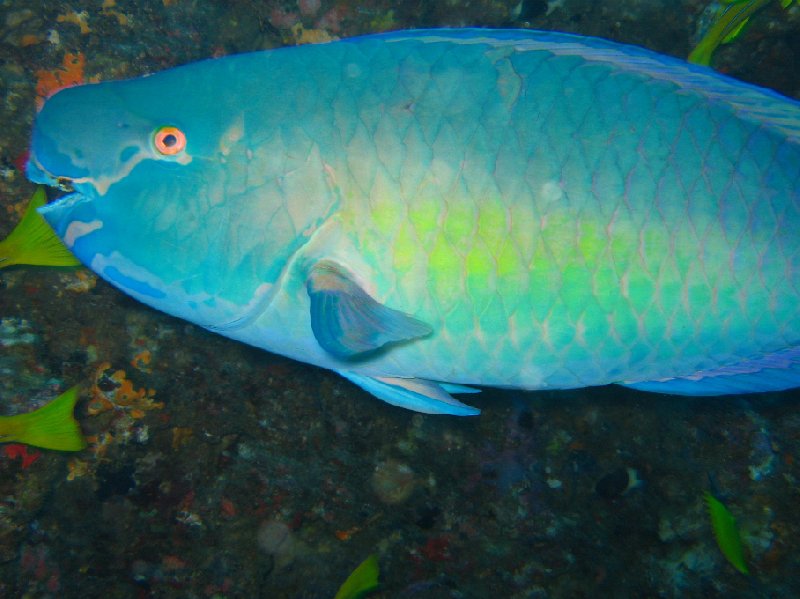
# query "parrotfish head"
(87, 137)
(166, 200)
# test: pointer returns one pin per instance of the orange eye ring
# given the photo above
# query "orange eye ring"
(169, 141)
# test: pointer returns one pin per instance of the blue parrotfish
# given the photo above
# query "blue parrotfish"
(424, 212)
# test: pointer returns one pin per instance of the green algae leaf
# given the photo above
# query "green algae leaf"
(726, 532)
(363, 580)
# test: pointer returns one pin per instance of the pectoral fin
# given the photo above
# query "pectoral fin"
(347, 322)
(419, 395)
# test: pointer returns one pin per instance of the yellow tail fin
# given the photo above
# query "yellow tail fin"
(51, 427)
(33, 242)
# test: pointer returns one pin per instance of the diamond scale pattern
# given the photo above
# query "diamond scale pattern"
(562, 223)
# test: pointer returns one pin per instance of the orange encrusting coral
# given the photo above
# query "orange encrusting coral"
(121, 396)
(141, 361)
(81, 19)
(67, 75)
(111, 392)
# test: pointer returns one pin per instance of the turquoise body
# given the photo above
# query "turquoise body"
(423, 210)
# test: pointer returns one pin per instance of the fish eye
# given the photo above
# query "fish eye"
(169, 141)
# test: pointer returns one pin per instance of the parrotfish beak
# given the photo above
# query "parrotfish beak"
(57, 146)
(58, 212)
(49, 165)
(69, 151)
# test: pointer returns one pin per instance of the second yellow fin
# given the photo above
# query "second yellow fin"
(33, 242)
(52, 426)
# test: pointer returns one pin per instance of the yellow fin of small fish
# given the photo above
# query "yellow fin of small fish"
(363, 580)
(728, 23)
(51, 427)
(726, 532)
(33, 242)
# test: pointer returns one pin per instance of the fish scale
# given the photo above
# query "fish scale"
(648, 297)
(520, 209)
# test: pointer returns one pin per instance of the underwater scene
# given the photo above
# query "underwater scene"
(157, 438)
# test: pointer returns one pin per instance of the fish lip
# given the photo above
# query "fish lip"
(75, 191)
(39, 174)
(71, 200)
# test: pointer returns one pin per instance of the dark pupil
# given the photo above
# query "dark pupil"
(170, 140)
